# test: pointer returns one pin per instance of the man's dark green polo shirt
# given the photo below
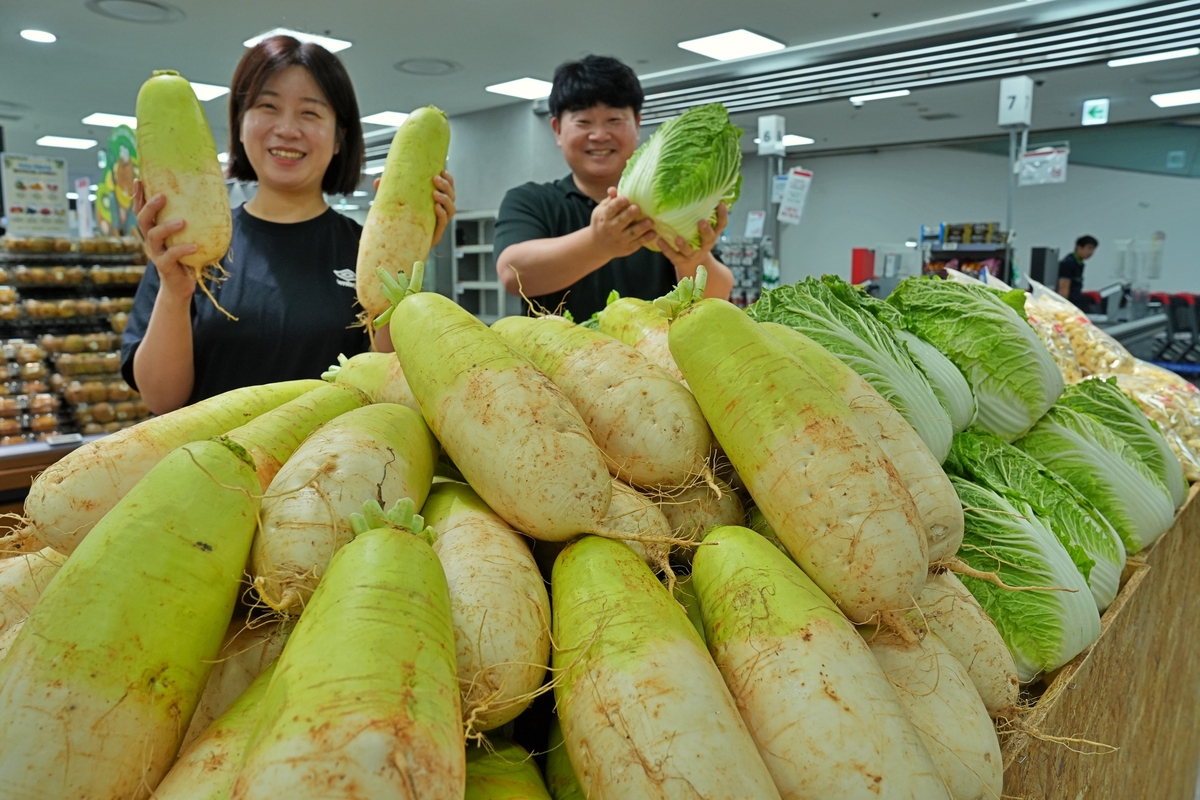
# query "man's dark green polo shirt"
(550, 210)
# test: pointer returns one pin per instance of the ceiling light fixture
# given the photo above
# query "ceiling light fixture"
(223, 158)
(360, 193)
(92, 197)
(427, 67)
(732, 44)
(109, 120)
(41, 37)
(859, 99)
(67, 141)
(145, 11)
(1149, 59)
(792, 140)
(72, 196)
(329, 43)
(1172, 99)
(375, 169)
(524, 88)
(208, 91)
(392, 118)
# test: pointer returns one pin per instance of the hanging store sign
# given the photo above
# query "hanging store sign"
(755, 222)
(1045, 165)
(791, 208)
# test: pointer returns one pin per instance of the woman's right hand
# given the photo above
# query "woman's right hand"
(178, 280)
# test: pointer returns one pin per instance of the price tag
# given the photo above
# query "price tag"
(778, 187)
(791, 208)
(755, 222)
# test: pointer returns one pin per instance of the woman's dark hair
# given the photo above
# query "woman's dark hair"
(274, 55)
(595, 79)
(1086, 241)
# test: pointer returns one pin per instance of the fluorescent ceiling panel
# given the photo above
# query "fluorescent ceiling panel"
(109, 120)
(1172, 99)
(524, 88)
(866, 98)
(68, 142)
(392, 118)
(732, 44)
(329, 43)
(207, 91)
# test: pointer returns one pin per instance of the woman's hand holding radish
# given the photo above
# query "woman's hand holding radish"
(178, 279)
(443, 203)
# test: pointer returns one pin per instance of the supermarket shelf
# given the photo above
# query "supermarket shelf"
(966, 247)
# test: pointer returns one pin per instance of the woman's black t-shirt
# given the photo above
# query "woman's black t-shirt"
(291, 286)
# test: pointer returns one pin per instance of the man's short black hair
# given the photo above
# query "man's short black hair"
(595, 79)
(1086, 241)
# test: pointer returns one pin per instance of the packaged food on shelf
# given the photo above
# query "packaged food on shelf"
(34, 371)
(43, 404)
(10, 426)
(1175, 410)
(36, 387)
(8, 295)
(10, 312)
(10, 407)
(18, 439)
(1096, 352)
(88, 363)
(119, 321)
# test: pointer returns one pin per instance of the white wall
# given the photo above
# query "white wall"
(884, 197)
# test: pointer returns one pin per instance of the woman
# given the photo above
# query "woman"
(294, 128)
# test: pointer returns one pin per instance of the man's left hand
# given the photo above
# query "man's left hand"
(685, 257)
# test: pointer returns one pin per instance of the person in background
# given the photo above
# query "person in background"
(1070, 269)
(567, 244)
(294, 128)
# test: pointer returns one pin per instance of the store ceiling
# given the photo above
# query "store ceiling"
(98, 62)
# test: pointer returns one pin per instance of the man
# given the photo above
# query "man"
(1070, 269)
(569, 243)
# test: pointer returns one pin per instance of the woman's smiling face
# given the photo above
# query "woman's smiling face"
(290, 132)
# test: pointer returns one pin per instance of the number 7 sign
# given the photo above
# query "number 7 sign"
(1016, 102)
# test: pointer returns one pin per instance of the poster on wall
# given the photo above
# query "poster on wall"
(35, 195)
(114, 190)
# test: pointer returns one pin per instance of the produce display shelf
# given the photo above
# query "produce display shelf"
(1137, 689)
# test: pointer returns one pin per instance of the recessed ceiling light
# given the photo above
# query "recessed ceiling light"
(525, 88)
(329, 43)
(147, 11)
(373, 169)
(223, 158)
(109, 120)
(427, 67)
(1128, 62)
(93, 187)
(1172, 99)
(393, 118)
(732, 44)
(346, 207)
(360, 193)
(208, 91)
(68, 142)
(41, 37)
(866, 98)
(72, 196)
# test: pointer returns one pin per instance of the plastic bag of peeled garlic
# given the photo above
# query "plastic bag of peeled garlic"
(1054, 336)
(1096, 352)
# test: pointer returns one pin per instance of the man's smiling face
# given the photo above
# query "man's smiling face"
(596, 142)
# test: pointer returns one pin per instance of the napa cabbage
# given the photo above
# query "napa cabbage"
(1106, 471)
(1054, 618)
(1093, 544)
(868, 345)
(1013, 376)
(684, 170)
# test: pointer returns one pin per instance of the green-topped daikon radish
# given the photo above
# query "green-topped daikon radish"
(560, 777)
(383, 451)
(377, 374)
(499, 604)
(23, 578)
(177, 157)
(684, 592)
(73, 494)
(512, 433)
(207, 769)
(272, 438)
(828, 491)
(644, 527)
(825, 719)
(644, 421)
(364, 701)
(643, 708)
(942, 704)
(100, 685)
(400, 223)
(694, 510)
(951, 612)
(936, 501)
(501, 770)
(245, 653)
(639, 324)
(756, 522)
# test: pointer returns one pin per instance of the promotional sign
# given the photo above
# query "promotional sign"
(1044, 165)
(83, 209)
(114, 192)
(791, 208)
(35, 195)
(1016, 102)
(755, 222)
(770, 135)
(778, 187)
